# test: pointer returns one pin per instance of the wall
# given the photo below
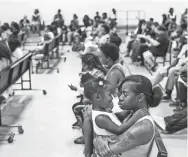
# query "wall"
(13, 10)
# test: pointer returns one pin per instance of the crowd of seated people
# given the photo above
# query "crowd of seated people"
(113, 111)
(151, 40)
(10, 50)
(104, 81)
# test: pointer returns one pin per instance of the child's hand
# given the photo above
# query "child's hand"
(139, 114)
(72, 87)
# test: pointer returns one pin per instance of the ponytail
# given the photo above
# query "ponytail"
(156, 97)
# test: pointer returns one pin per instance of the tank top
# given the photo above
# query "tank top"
(103, 132)
(122, 70)
(141, 151)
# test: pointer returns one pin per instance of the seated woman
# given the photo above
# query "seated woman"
(73, 29)
(136, 93)
(103, 39)
(177, 121)
(15, 47)
(5, 31)
(106, 123)
(36, 22)
(38, 52)
(139, 30)
(15, 29)
(77, 45)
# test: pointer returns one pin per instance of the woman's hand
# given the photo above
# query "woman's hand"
(72, 87)
(101, 146)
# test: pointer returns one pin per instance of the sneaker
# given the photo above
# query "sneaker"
(77, 125)
(179, 108)
(154, 68)
(79, 140)
(2, 99)
(167, 97)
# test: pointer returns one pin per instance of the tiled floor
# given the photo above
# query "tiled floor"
(47, 119)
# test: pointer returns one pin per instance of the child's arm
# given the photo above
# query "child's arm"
(122, 115)
(104, 122)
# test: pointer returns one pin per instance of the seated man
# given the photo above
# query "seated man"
(158, 47)
(172, 72)
(181, 88)
(173, 123)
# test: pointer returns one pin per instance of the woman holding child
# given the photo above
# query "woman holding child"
(134, 136)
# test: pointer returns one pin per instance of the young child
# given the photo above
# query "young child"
(106, 123)
(91, 68)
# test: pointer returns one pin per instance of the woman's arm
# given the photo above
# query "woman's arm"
(140, 134)
(114, 78)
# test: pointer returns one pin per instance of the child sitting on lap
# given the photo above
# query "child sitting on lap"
(106, 123)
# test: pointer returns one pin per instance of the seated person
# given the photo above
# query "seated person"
(139, 30)
(172, 27)
(106, 123)
(177, 121)
(5, 31)
(153, 31)
(136, 93)
(64, 33)
(38, 52)
(158, 47)
(94, 46)
(5, 61)
(172, 72)
(181, 88)
(72, 30)
(15, 47)
(105, 30)
(77, 45)
(5, 55)
(25, 25)
(48, 36)
(15, 29)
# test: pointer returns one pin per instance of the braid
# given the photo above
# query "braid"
(98, 65)
(92, 59)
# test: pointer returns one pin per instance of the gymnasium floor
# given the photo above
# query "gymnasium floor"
(47, 119)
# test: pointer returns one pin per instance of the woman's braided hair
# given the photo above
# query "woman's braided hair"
(91, 59)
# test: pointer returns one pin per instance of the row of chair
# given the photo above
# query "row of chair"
(9, 76)
(49, 52)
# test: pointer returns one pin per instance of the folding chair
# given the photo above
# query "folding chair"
(4, 85)
(164, 57)
(45, 57)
